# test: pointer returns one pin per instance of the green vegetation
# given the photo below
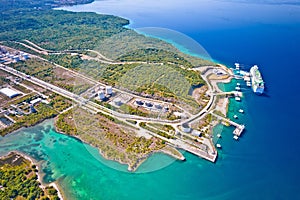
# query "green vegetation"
(57, 104)
(18, 180)
(207, 123)
(41, 4)
(105, 104)
(129, 44)
(132, 111)
(131, 121)
(57, 29)
(161, 133)
(18, 46)
(114, 73)
(156, 55)
(73, 62)
(3, 80)
(27, 98)
(154, 80)
(52, 74)
(111, 74)
(65, 123)
(217, 112)
(164, 127)
(44, 112)
(115, 139)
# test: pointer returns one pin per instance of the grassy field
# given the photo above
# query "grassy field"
(52, 74)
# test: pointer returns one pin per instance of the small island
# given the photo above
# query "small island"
(130, 97)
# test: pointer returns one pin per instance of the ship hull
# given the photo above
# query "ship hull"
(258, 90)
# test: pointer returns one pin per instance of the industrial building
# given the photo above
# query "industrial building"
(139, 102)
(196, 133)
(101, 95)
(109, 90)
(118, 102)
(35, 101)
(186, 128)
(9, 92)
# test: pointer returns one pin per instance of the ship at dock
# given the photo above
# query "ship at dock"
(257, 81)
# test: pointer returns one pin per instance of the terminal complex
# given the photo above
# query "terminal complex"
(185, 131)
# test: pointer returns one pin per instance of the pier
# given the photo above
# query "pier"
(201, 150)
(235, 93)
(239, 128)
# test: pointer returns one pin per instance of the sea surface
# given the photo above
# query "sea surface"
(263, 164)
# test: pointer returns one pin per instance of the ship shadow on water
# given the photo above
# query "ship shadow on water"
(266, 93)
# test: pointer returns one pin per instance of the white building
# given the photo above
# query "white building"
(35, 101)
(178, 114)
(25, 56)
(196, 133)
(9, 92)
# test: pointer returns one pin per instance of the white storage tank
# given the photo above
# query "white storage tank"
(186, 128)
(109, 90)
(101, 95)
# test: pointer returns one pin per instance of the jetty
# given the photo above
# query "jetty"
(234, 93)
(206, 151)
(239, 128)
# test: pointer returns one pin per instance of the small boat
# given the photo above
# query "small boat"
(235, 116)
(248, 84)
(238, 84)
(237, 88)
(235, 137)
(219, 135)
(241, 110)
(237, 98)
(219, 146)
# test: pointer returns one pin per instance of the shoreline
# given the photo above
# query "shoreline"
(31, 125)
(139, 161)
(39, 178)
(131, 168)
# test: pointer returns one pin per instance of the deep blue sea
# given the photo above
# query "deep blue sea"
(265, 162)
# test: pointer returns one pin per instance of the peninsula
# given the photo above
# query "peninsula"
(126, 94)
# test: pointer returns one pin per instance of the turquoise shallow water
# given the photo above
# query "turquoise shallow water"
(81, 175)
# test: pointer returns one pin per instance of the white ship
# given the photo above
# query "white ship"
(257, 81)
